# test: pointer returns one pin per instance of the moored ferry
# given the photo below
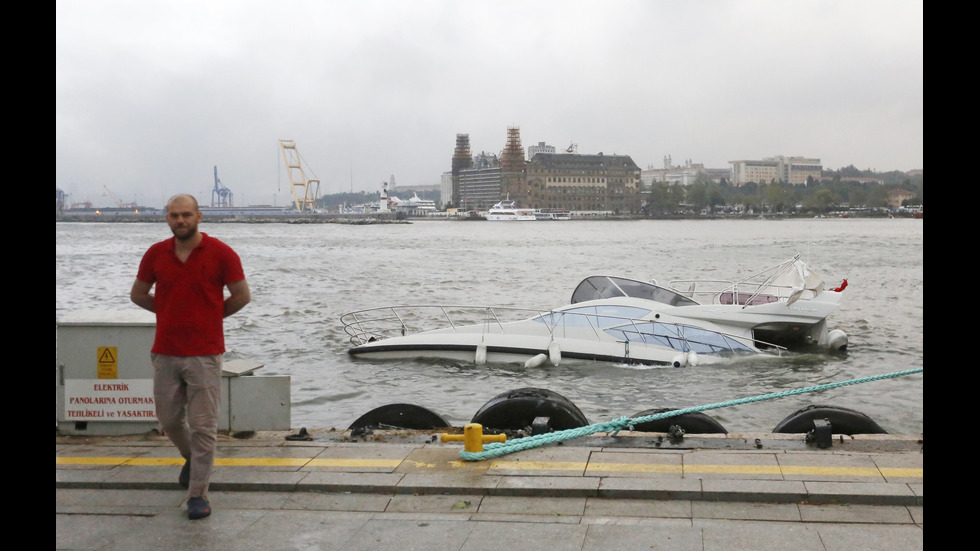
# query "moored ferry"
(552, 214)
(509, 211)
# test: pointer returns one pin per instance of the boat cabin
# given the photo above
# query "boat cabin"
(603, 287)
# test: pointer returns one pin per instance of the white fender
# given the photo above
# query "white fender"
(535, 361)
(554, 353)
(680, 360)
(481, 354)
(837, 340)
(692, 358)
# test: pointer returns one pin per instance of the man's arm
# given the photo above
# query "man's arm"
(141, 296)
(240, 296)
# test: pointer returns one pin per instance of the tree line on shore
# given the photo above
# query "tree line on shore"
(833, 191)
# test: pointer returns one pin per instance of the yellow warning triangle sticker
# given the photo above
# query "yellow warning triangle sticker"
(107, 357)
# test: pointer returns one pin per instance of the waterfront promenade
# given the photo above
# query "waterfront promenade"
(409, 490)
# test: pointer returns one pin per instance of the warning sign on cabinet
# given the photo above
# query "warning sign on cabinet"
(108, 362)
(118, 400)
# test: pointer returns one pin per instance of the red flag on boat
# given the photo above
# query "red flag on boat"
(842, 286)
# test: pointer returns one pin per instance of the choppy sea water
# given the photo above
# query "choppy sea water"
(304, 276)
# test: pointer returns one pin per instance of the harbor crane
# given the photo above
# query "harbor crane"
(220, 195)
(305, 190)
(60, 198)
(117, 200)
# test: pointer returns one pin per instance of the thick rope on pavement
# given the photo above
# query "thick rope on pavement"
(497, 449)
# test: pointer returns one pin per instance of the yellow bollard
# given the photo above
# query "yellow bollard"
(473, 438)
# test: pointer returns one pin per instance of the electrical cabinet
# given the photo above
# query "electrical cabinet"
(104, 380)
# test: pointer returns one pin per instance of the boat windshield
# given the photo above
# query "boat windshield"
(679, 337)
(599, 317)
(600, 287)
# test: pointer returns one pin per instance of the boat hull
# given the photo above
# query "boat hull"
(511, 216)
(398, 348)
(522, 342)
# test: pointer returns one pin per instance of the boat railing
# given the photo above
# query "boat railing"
(391, 321)
(759, 288)
(719, 291)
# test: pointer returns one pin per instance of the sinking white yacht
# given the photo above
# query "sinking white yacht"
(618, 320)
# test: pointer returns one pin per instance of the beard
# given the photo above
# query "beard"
(184, 232)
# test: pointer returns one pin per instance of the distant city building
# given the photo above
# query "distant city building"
(479, 188)
(485, 160)
(583, 182)
(683, 175)
(445, 189)
(791, 170)
(718, 174)
(513, 181)
(896, 196)
(533, 150)
(462, 159)
(862, 180)
(480, 184)
(744, 172)
(548, 180)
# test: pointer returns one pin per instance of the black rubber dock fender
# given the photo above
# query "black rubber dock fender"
(692, 423)
(404, 416)
(842, 421)
(517, 409)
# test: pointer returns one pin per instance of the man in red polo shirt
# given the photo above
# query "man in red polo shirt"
(190, 271)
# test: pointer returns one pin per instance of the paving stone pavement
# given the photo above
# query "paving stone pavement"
(415, 493)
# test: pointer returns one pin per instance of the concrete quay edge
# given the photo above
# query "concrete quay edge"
(761, 468)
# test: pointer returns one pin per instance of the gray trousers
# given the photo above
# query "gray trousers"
(187, 390)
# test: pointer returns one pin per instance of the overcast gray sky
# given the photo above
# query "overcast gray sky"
(151, 95)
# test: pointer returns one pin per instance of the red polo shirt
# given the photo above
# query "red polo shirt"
(189, 297)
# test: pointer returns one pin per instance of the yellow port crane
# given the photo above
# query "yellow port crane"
(305, 190)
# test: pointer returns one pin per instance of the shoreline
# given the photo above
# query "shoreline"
(389, 219)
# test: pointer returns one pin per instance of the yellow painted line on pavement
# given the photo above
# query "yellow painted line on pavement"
(354, 462)
(897, 472)
(261, 461)
(539, 465)
(634, 468)
(830, 471)
(92, 460)
(586, 467)
(732, 469)
(154, 461)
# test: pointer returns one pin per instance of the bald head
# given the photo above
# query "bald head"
(182, 197)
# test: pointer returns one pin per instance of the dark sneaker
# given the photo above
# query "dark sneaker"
(184, 479)
(198, 507)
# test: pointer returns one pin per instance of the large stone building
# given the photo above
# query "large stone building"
(570, 181)
(584, 182)
(791, 170)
